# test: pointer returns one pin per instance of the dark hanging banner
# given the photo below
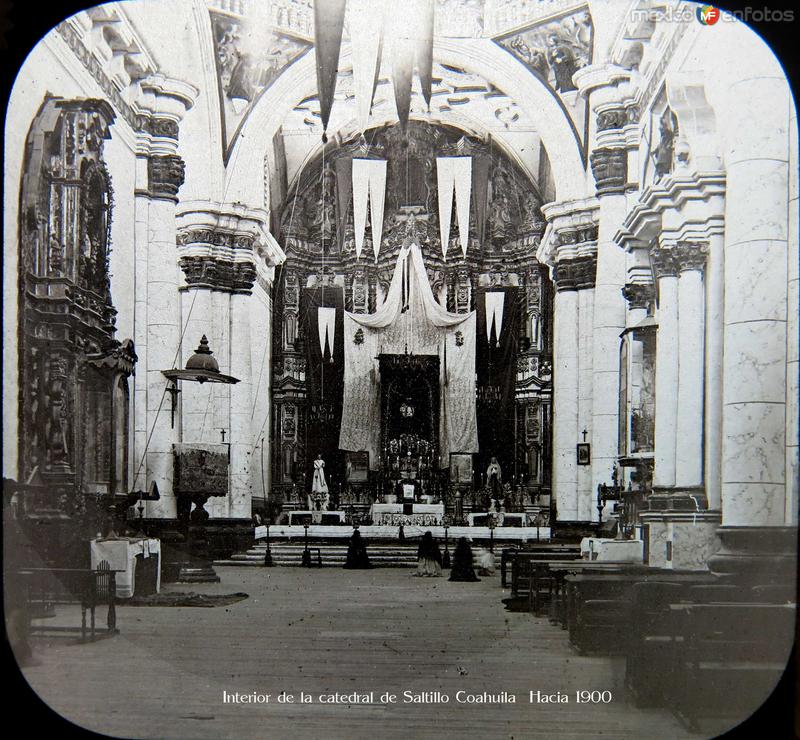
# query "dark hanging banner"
(328, 25)
(496, 368)
(344, 190)
(480, 188)
(324, 383)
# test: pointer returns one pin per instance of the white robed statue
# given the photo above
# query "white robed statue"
(319, 487)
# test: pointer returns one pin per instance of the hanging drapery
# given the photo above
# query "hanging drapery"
(366, 40)
(369, 183)
(496, 370)
(424, 328)
(494, 314)
(328, 25)
(326, 325)
(454, 173)
(324, 379)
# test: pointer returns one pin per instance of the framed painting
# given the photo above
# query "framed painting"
(357, 467)
(460, 467)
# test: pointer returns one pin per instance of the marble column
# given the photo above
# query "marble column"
(667, 370)
(714, 350)
(587, 509)
(609, 162)
(793, 356)
(565, 403)
(160, 173)
(754, 482)
(163, 336)
(243, 446)
(691, 341)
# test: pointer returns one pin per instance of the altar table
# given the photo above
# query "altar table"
(120, 553)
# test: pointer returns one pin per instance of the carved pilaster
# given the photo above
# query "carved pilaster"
(165, 175)
(610, 169)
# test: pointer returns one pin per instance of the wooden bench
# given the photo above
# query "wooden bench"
(727, 659)
(521, 569)
(45, 588)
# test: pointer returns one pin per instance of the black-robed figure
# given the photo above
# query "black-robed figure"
(357, 557)
(429, 559)
(462, 569)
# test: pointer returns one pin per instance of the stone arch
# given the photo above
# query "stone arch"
(246, 184)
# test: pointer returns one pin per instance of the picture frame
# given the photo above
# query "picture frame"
(584, 453)
(357, 467)
(460, 467)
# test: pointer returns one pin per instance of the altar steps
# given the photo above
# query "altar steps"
(331, 555)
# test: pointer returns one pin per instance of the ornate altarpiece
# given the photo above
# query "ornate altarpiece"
(317, 234)
(73, 373)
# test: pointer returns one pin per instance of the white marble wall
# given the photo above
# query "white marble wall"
(793, 308)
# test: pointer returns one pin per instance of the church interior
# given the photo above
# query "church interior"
(502, 270)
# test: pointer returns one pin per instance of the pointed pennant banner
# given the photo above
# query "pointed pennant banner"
(424, 53)
(328, 24)
(462, 174)
(495, 301)
(366, 34)
(445, 181)
(326, 325)
(402, 71)
(361, 173)
(377, 195)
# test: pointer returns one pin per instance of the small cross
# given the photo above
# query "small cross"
(584, 433)
(222, 432)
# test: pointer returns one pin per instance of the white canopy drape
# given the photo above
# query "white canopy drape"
(410, 320)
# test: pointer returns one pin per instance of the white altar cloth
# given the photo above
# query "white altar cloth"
(121, 556)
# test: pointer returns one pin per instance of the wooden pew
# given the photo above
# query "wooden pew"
(727, 659)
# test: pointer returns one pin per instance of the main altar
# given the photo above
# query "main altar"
(407, 357)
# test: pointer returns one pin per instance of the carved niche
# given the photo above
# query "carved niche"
(73, 373)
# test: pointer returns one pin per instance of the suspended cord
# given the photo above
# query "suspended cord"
(164, 393)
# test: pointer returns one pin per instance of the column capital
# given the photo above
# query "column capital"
(571, 230)
(691, 256)
(162, 102)
(575, 274)
(638, 295)
(226, 247)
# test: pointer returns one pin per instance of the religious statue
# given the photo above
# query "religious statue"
(319, 487)
(562, 60)
(494, 479)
